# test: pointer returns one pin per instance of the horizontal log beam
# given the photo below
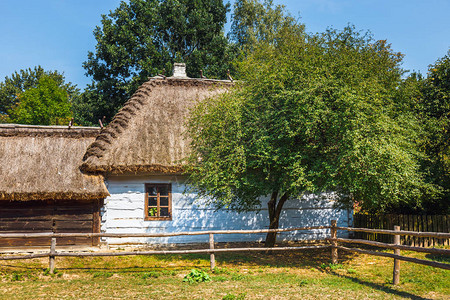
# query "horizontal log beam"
(121, 235)
(439, 235)
(158, 252)
(400, 257)
(393, 246)
(29, 256)
(196, 251)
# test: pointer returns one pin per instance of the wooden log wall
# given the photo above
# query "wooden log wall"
(57, 216)
(422, 223)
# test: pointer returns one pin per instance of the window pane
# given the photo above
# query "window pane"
(151, 190)
(152, 212)
(164, 201)
(152, 201)
(164, 190)
(164, 212)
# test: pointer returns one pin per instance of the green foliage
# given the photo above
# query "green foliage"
(56, 272)
(231, 296)
(102, 274)
(45, 104)
(331, 266)
(144, 37)
(253, 22)
(22, 276)
(196, 276)
(303, 283)
(151, 274)
(435, 113)
(316, 113)
(14, 86)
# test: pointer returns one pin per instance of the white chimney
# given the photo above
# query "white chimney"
(179, 70)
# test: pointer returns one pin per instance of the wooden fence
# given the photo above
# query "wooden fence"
(211, 250)
(424, 223)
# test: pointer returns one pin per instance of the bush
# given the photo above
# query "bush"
(196, 276)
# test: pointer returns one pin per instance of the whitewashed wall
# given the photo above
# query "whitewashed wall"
(123, 212)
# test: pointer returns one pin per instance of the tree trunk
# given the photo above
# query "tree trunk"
(274, 216)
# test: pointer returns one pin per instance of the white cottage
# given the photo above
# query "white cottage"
(139, 152)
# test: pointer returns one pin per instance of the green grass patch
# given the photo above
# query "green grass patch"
(291, 275)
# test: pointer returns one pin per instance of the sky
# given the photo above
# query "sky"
(57, 34)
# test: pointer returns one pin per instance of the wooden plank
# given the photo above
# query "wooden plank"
(18, 242)
(82, 226)
(46, 216)
(74, 241)
(436, 227)
(396, 272)
(26, 225)
(29, 256)
(447, 227)
(421, 229)
(402, 227)
(22, 213)
(29, 218)
(439, 235)
(96, 221)
(400, 257)
(412, 228)
(157, 252)
(74, 217)
(146, 234)
(394, 246)
(27, 204)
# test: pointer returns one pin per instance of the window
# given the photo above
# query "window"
(158, 201)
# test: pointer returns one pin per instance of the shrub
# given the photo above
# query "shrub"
(196, 276)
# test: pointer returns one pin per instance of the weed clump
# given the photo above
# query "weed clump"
(196, 276)
(234, 297)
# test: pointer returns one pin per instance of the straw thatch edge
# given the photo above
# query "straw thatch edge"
(18, 130)
(136, 169)
(121, 120)
(50, 196)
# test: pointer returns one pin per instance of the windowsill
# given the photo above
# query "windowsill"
(158, 219)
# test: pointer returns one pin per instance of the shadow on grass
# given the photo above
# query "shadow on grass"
(132, 264)
(379, 287)
(438, 258)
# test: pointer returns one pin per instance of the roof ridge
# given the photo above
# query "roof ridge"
(92, 160)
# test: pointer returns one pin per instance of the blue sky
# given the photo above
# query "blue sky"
(57, 34)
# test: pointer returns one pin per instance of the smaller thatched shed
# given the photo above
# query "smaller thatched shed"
(42, 188)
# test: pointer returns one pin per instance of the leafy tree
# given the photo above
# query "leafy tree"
(315, 114)
(45, 104)
(436, 116)
(253, 21)
(12, 87)
(143, 38)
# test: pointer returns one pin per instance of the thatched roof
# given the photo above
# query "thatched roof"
(146, 135)
(42, 162)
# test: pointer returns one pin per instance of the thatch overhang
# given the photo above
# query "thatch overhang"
(147, 134)
(42, 163)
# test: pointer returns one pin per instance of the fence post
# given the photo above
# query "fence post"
(211, 255)
(51, 258)
(396, 275)
(334, 252)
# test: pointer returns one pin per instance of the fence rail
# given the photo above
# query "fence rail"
(423, 223)
(146, 234)
(397, 233)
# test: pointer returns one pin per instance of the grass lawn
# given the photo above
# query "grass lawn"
(290, 275)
